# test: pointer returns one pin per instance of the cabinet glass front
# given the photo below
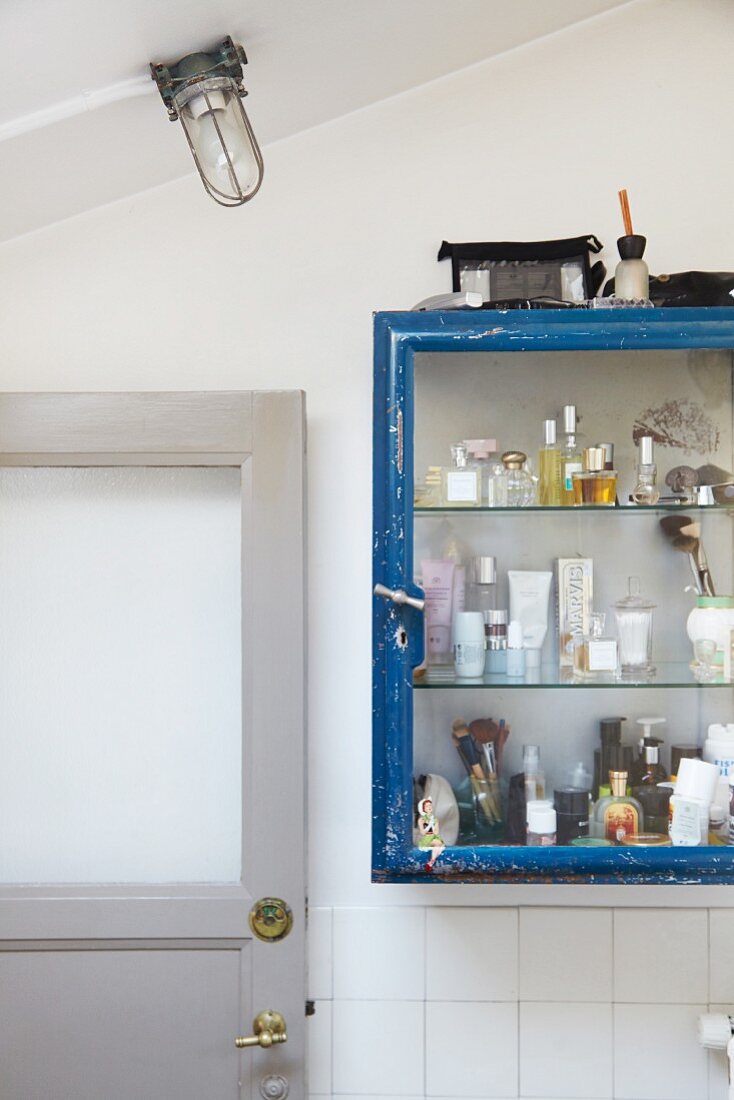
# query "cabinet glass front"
(490, 540)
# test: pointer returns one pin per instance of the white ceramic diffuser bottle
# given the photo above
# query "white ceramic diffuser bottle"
(631, 277)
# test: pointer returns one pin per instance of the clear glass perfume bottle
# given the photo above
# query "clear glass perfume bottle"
(618, 815)
(534, 774)
(520, 484)
(646, 490)
(594, 653)
(480, 451)
(497, 486)
(571, 458)
(461, 481)
(549, 462)
(594, 485)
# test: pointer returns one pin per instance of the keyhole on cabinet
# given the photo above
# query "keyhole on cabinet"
(401, 637)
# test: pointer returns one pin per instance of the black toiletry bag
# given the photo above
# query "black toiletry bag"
(552, 272)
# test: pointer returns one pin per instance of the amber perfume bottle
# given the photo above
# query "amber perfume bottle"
(594, 485)
(618, 815)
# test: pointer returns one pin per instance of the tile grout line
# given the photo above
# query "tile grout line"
(331, 990)
(425, 1001)
(613, 930)
(517, 1005)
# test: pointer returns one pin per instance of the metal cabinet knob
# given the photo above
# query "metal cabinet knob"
(269, 1028)
(397, 595)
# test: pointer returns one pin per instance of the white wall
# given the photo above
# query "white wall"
(167, 291)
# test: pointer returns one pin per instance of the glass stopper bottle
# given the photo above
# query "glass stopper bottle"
(520, 485)
(646, 490)
(549, 462)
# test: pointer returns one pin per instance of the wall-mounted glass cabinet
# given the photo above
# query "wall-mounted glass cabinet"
(564, 755)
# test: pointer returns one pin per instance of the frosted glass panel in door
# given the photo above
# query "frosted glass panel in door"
(120, 675)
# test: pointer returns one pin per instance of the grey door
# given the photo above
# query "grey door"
(151, 743)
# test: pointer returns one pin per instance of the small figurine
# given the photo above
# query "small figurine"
(429, 834)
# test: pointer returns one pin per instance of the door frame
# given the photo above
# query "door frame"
(262, 432)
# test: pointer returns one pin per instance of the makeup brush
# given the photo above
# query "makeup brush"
(470, 758)
(673, 525)
(693, 531)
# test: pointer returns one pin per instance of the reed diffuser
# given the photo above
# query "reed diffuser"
(631, 278)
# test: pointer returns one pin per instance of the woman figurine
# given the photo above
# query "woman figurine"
(429, 834)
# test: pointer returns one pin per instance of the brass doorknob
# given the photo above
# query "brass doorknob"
(269, 1028)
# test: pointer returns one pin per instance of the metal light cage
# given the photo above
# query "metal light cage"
(204, 91)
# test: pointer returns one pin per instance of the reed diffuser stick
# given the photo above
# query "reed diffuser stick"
(626, 216)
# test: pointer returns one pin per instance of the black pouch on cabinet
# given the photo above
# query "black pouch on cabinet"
(689, 288)
(549, 272)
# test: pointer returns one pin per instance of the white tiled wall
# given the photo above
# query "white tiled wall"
(445, 1003)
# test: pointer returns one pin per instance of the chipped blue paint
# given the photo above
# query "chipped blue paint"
(398, 336)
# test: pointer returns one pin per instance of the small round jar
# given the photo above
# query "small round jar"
(572, 813)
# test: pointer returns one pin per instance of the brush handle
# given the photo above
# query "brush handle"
(696, 574)
(703, 570)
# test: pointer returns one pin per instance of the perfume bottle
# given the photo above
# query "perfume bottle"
(646, 490)
(520, 484)
(534, 774)
(461, 482)
(594, 653)
(618, 815)
(571, 459)
(594, 484)
(497, 486)
(479, 456)
(549, 463)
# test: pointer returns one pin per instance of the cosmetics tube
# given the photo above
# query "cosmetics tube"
(529, 596)
(438, 585)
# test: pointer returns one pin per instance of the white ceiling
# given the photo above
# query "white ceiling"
(309, 61)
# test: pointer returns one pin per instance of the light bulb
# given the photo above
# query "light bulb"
(214, 131)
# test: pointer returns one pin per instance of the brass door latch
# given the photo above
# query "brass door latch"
(269, 1028)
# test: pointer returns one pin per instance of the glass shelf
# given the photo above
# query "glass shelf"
(629, 510)
(673, 674)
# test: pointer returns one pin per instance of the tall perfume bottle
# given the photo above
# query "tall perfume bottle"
(461, 481)
(571, 458)
(549, 463)
(594, 484)
(534, 774)
(646, 490)
(618, 815)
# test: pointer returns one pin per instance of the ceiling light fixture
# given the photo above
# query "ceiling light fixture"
(204, 91)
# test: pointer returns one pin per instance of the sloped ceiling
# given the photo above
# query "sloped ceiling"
(309, 61)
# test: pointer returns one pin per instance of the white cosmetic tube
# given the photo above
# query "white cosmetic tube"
(529, 598)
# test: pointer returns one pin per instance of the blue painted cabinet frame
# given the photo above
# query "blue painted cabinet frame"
(398, 630)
